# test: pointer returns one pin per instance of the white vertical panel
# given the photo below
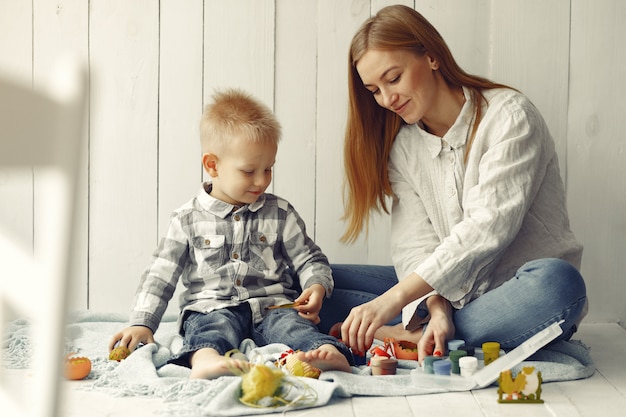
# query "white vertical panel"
(596, 152)
(239, 47)
(180, 108)
(376, 5)
(523, 43)
(465, 26)
(124, 40)
(530, 51)
(60, 28)
(295, 105)
(16, 41)
(16, 188)
(180, 105)
(337, 22)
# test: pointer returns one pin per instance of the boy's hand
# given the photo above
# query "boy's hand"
(311, 300)
(131, 336)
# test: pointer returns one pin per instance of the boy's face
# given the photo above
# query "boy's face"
(242, 172)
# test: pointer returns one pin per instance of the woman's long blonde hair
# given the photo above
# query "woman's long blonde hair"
(371, 129)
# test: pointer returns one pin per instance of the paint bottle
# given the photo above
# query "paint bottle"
(383, 366)
(442, 367)
(468, 365)
(491, 352)
(454, 356)
(455, 344)
(428, 363)
(469, 349)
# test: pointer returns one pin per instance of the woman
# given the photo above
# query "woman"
(481, 243)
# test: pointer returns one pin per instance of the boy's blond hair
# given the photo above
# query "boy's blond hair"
(235, 113)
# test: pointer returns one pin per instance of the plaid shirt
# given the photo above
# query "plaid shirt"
(227, 256)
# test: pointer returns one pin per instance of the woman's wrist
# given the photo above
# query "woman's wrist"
(438, 306)
(409, 289)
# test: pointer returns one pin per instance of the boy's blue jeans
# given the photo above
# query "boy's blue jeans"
(542, 292)
(225, 329)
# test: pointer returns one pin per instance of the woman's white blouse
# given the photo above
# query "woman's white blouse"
(465, 228)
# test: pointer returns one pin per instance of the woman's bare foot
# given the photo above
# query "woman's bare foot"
(335, 330)
(209, 364)
(396, 332)
(326, 358)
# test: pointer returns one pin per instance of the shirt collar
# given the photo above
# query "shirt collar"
(458, 133)
(221, 208)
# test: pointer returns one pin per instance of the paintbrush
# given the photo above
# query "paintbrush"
(288, 305)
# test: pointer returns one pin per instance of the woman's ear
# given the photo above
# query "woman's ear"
(434, 64)
(209, 162)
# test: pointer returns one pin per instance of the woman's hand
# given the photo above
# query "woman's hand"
(359, 328)
(439, 330)
(131, 336)
(311, 301)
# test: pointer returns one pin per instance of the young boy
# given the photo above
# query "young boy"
(238, 251)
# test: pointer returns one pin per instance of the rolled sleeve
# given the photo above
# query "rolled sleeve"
(158, 282)
(305, 257)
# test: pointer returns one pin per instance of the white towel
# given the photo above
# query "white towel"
(146, 372)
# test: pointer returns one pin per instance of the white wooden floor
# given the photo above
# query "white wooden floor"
(603, 394)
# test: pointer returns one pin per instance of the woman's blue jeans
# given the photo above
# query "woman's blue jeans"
(542, 292)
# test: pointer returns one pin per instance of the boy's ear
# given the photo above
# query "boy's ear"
(209, 162)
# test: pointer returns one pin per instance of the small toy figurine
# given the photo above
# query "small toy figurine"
(524, 388)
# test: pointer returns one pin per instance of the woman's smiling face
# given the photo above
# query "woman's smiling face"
(400, 81)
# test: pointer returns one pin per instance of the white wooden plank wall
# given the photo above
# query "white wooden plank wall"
(154, 64)
(596, 155)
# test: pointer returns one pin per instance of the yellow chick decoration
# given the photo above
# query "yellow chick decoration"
(525, 387)
(259, 383)
(532, 381)
(508, 385)
(268, 386)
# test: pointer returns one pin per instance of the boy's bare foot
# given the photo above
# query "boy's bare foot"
(208, 364)
(326, 358)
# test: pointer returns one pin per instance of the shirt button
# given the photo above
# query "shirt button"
(262, 238)
(238, 282)
(207, 242)
(235, 256)
(237, 217)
